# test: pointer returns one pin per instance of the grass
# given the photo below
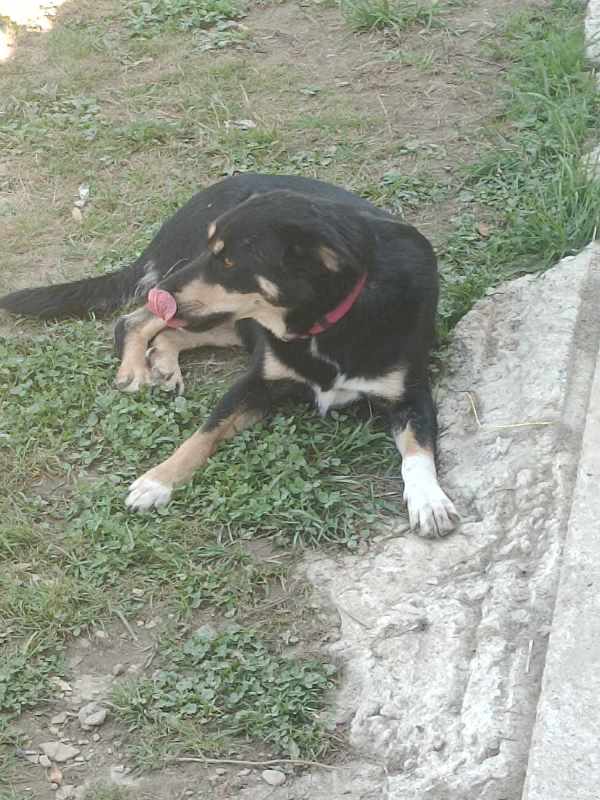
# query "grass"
(392, 15)
(298, 480)
(232, 686)
(118, 111)
(531, 185)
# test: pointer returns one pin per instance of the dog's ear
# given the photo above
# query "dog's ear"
(338, 241)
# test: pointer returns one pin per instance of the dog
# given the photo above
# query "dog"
(333, 298)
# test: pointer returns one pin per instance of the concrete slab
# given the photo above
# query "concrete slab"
(564, 762)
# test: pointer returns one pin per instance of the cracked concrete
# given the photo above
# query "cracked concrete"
(443, 643)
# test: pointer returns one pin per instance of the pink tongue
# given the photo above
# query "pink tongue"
(163, 305)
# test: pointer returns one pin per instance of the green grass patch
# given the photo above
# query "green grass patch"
(234, 687)
(72, 444)
(531, 189)
(391, 15)
(152, 17)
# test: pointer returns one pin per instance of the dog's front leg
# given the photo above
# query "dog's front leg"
(414, 427)
(245, 403)
(133, 333)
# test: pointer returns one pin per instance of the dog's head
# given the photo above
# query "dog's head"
(282, 258)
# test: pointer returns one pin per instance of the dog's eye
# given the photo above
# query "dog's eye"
(228, 263)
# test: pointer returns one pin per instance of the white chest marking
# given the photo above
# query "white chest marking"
(346, 390)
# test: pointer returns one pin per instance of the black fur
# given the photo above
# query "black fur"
(312, 242)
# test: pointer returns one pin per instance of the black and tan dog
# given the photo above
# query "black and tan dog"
(334, 299)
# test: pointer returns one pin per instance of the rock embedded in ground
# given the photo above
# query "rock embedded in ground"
(92, 715)
(59, 752)
(273, 777)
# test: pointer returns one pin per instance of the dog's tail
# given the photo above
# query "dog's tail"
(99, 295)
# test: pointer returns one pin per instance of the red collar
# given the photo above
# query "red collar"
(338, 312)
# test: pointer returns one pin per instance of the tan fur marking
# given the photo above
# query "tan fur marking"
(217, 246)
(329, 258)
(276, 370)
(180, 339)
(211, 230)
(408, 446)
(216, 299)
(228, 263)
(269, 288)
(196, 451)
(136, 343)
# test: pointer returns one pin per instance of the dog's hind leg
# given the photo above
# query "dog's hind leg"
(248, 401)
(414, 427)
(162, 357)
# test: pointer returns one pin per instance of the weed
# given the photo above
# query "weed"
(24, 679)
(231, 682)
(393, 15)
(100, 792)
(398, 192)
(151, 17)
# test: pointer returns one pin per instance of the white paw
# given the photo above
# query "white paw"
(430, 510)
(146, 493)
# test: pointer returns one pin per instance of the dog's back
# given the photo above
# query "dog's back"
(181, 238)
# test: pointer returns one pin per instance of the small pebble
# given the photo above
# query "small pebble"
(221, 771)
(45, 761)
(118, 669)
(92, 715)
(244, 772)
(96, 737)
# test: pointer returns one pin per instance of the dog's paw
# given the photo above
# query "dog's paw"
(132, 379)
(164, 369)
(147, 492)
(431, 513)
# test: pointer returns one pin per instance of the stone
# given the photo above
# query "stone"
(440, 682)
(118, 669)
(88, 687)
(59, 719)
(92, 715)
(220, 771)
(273, 777)
(44, 761)
(59, 752)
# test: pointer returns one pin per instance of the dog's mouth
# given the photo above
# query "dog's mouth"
(163, 305)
